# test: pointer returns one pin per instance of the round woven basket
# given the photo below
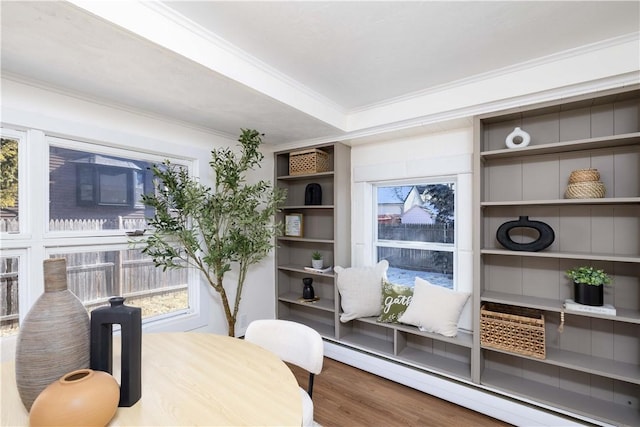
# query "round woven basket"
(585, 190)
(582, 175)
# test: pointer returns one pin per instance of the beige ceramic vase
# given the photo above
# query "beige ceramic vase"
(54, 337)
(80, 398)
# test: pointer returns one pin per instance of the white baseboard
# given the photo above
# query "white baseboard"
(472, 396)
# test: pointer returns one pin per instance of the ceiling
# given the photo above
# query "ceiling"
(296, 70)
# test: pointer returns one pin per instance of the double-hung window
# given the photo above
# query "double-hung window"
(415, 230)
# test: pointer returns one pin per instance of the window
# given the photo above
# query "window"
(108, 181)
(9, 295)
(415, 231)
(9, 181)
(78, 200)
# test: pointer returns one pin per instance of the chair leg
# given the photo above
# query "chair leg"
(310, 388)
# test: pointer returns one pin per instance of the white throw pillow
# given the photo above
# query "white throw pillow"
(361, 290)
(434, 308)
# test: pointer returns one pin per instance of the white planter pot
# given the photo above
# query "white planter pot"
(317, 263)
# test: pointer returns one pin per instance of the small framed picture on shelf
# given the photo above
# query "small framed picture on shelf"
(293, 225)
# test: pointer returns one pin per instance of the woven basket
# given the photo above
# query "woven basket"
(582, 175)
(308, 161)
(585, 190)
(514, 329)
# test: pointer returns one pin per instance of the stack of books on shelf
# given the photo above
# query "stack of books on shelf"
(571, 305)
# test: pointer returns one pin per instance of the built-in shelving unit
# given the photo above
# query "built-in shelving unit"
(326, 229)
(592, 364)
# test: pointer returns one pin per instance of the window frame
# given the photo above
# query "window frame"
(417, 245)
(23, 183)
(36, 242)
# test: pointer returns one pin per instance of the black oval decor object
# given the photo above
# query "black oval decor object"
(544, 240)
(313, 194)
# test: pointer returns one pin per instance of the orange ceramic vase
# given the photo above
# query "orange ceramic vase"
(80, 398)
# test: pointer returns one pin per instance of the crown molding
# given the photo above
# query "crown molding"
(479, 78)
(457, 118)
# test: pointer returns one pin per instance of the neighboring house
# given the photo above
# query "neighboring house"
(418, 215)
(404, 204)
(391, 200)
(88, 186)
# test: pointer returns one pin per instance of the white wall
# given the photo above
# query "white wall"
(421, 156)
(24, 106)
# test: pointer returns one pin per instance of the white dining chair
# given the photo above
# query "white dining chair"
(294, 343)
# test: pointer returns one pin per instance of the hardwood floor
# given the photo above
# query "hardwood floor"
(344, 396)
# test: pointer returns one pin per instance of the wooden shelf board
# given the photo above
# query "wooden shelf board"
(565, 146)
(305, 176)
(564, 255)
(322, 304)
(547, 304)
(300, 269)
(559, 202)
(564, 399)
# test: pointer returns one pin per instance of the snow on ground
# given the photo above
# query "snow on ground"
(404, 277)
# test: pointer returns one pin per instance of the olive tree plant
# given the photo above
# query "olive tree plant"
(215, 230)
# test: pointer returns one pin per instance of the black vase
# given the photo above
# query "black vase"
(588, 294)
(307, 291)
(130, 321)
(313, 194)
(546, 236)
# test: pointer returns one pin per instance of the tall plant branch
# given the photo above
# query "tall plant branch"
(214, 230)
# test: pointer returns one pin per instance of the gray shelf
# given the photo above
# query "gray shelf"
(322, 304)
(305, 239)
(549, 304)
(322, 328)
(562, 202)
(463, 339)
(368, 343)
(304, 176)
(565, 146)
(564, 255)
(300, 207)
(300, 269)
(605, 411)
(434, 363)
(626, 372)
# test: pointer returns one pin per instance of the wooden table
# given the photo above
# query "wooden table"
(191, 379)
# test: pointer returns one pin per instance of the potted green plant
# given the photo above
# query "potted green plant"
(316, 260)
(588, 285)
(215, 230)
